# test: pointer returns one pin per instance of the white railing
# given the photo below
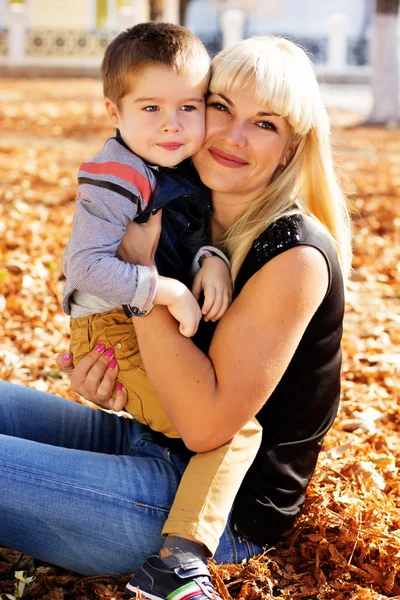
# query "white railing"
(337, 51)
(337, 33)
(41, 47)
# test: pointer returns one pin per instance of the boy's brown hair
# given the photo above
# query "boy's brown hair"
(151, 44)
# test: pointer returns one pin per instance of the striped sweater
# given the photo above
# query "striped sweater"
(115, 187)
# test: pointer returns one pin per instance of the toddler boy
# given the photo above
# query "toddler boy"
(155, 78)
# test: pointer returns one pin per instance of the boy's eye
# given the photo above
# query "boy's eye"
(218, 106)
(267, 125)
(151, 108)
(188, 108)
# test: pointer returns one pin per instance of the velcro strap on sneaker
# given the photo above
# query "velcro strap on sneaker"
(192, 569)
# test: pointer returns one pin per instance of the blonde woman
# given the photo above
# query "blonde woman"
(278, 212)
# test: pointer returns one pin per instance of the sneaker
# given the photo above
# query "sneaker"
(155, 581)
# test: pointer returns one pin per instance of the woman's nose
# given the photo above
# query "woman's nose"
(236, 134)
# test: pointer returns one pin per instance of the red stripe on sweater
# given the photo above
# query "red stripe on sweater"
(124, 172)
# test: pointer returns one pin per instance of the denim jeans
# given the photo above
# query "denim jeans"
(84, 489)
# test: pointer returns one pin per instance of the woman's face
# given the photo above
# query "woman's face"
(244, 144)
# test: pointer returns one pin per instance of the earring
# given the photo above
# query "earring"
(284, 162)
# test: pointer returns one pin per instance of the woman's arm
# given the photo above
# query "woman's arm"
(209, 398)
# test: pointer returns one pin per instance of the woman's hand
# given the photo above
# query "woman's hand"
(94, 378)
(140, 242)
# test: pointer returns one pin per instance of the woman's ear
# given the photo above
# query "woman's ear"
(294, 142)
(112, 111)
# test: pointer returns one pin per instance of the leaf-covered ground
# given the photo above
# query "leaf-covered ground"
(346, 544)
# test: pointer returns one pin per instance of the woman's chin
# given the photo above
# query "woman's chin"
(217, 178)
(218, 183)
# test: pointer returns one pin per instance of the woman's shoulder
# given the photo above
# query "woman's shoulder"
(289, 231)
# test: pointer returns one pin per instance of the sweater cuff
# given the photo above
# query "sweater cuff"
(146, 287)
(202, 253)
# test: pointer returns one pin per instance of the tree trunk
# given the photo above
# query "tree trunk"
(387, 7)
(385, 64)
(183, 4)
(156, 10)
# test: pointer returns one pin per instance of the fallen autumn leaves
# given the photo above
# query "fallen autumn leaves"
(346, 544)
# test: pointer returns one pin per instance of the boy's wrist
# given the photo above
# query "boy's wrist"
(205, 252)
(146, 290)
(168, 291)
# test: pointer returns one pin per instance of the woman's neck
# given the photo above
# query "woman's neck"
(226, 210)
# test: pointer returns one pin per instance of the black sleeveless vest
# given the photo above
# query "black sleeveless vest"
(303, 406)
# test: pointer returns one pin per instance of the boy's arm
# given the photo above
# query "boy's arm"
(139, 244)
(197, 240)
(90, 264)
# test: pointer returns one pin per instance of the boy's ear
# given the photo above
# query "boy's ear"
(112, 111)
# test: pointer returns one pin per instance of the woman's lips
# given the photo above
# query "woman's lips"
(170, 146)
(227, 160)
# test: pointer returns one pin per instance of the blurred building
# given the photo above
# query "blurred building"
(82, 14)
(74, 33)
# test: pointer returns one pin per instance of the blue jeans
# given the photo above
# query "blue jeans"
(84, 489)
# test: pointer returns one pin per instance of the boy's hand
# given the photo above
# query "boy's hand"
(215, 282)
(181, 304)
(140, 241)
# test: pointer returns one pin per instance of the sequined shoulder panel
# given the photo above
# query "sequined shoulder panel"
(280, 236)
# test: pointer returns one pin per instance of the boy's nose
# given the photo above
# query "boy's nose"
(172, 125)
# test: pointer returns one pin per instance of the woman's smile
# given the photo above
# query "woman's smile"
(227, 160)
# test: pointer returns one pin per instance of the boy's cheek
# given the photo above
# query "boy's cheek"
(198, 132)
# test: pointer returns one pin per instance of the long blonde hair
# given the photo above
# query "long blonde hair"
(283, 78)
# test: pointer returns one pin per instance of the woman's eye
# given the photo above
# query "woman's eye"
(218, 106)
(151, 108)
(267, 125)
(188, 108)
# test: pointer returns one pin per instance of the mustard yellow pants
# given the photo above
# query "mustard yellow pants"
(211, 480)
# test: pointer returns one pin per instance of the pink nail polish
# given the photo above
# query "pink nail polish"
(100, 348)
(109, 353)
(112, 364)
(119, 387)
(67, 357)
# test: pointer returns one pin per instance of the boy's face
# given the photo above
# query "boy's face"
(162, 117)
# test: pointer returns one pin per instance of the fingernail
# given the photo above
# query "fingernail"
(109, 353)
(100, 348)
(112, 364)
(119, 387)
(67, 357)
